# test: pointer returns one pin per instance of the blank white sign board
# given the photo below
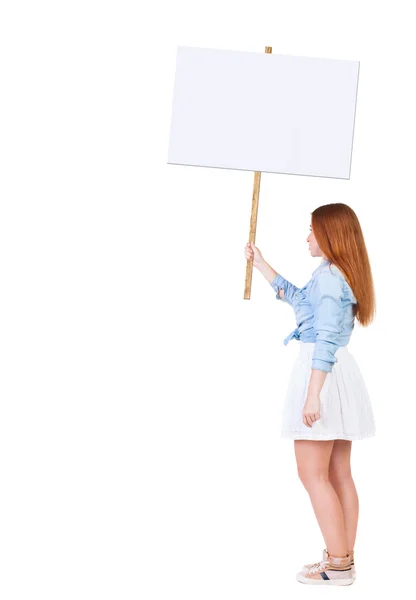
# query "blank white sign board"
(263, 112)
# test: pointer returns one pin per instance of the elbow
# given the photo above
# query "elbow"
(324, 354)
(321, 365)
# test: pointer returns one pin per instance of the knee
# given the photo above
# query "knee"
(340, 476)
(310, 478)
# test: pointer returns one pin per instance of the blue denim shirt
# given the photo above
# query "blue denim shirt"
(323, 310)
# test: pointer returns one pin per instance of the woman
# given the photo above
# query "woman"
(327, 403)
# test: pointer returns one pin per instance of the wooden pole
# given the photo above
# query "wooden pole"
(253, 220)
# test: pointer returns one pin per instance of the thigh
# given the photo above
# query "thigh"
(340, 463)
(313, 457)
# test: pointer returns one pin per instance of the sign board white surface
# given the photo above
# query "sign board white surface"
(263, 112)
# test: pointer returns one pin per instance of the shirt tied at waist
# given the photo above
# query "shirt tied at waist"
(295, 334)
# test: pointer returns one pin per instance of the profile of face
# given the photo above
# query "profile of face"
(314, 249)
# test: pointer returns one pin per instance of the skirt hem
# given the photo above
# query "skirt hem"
(329, 436)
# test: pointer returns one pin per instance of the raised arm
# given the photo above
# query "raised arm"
(283, 288)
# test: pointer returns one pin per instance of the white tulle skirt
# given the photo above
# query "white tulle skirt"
(346, 411)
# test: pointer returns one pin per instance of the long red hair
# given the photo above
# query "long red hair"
(338, 234)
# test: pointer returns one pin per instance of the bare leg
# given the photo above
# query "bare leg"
(343, 483)
(313, 458)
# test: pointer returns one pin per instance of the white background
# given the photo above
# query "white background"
(140, 394)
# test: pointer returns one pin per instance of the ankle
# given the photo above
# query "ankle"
(339, 562)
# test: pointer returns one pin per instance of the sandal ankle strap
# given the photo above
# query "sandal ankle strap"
(339, 561)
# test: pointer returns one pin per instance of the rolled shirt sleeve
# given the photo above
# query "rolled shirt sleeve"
(326, 296)
(289, 289)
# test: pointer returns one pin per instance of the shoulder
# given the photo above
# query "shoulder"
(326, 271)
(328, 279)
(332, 270)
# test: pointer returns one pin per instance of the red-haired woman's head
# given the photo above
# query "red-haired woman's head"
(337, 236)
